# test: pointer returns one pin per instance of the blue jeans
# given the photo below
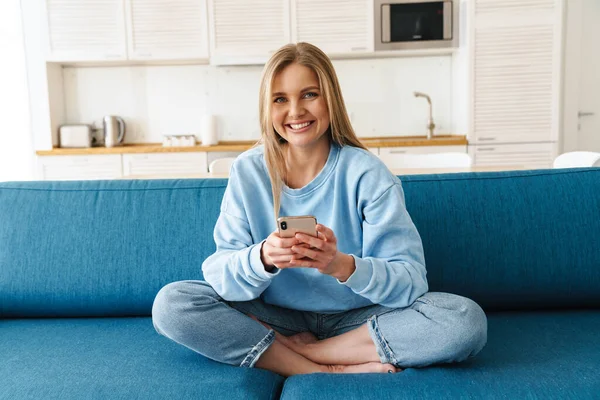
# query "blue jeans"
(436, 328)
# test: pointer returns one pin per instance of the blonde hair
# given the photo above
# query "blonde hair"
(340, 130)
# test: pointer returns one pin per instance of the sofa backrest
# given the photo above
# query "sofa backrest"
(508, 240)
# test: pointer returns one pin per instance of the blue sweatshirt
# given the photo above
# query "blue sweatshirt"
(357, 197)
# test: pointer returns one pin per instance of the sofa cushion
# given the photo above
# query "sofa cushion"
(511, 240)
(101, 248)
(115, 358)
(508, 240)
(529, 355)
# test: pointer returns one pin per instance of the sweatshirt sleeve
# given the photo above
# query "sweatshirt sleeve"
(392, 270)
(235, 271)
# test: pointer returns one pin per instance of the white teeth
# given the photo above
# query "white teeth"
(300, 126)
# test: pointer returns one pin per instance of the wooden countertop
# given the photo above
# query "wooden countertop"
(397, 141)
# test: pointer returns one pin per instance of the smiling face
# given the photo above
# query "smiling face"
(298, 110)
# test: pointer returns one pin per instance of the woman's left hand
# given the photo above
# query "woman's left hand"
(321, 253)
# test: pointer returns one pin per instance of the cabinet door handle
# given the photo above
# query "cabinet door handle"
(486, 149)
(486, 139)
(397, 151)
(585, 114)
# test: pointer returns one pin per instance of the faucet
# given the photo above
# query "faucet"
(430, 124)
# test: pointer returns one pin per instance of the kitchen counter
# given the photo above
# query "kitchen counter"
(397, 141)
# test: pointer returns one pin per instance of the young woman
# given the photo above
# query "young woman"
(352, 299)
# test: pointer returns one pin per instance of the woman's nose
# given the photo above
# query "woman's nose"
(296, 109)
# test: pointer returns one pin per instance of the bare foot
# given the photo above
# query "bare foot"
(370, 367)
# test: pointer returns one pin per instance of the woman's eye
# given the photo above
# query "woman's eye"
(279, 100)
(311, 94)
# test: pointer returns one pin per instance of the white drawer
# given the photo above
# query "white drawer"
(530, 155)
(385, 151)
(79, 167)
(164, 164)
(392, 156)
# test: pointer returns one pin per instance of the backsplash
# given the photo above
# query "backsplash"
(171, 100)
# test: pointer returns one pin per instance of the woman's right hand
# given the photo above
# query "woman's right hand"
(277, 251)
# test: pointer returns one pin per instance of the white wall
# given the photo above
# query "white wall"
(16, 144)
(160, 100)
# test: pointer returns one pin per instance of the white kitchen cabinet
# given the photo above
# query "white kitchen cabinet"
(247, 32)
(92, 30)
(392, 156)
(79, 167)
(516, 70)
(335, 26)
(530, 155)
(139, 165)
(117, 30)
(167, 30)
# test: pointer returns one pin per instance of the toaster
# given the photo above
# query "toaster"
(75, 135)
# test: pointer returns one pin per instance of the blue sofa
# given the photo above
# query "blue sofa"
(81, 263)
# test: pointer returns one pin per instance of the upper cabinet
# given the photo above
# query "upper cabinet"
(160, 30)
(244, 31)
(516, 70)
(92, 30)
(335, 26)
(101, 30)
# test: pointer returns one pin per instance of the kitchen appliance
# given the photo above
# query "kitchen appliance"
(76, 135)
(415, 24)
(114, 130)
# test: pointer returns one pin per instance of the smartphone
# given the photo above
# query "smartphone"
(288, 226)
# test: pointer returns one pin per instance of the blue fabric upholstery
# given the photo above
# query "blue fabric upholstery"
(529, 355)
(511, 240)
(522, 240)
(101, 248)
(508, 240)
(115, 358)
(547, 355)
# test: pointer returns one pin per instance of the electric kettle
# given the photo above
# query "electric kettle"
(114, 130)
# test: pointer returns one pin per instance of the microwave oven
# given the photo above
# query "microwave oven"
(415, 24)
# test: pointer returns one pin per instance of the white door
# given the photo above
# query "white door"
(92, 30)
(516, 67)
(247, 32)
(582, 81)
(335, 26)
(58, 168)
(163, 30)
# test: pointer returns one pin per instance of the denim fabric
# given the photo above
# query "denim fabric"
(437, 328)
